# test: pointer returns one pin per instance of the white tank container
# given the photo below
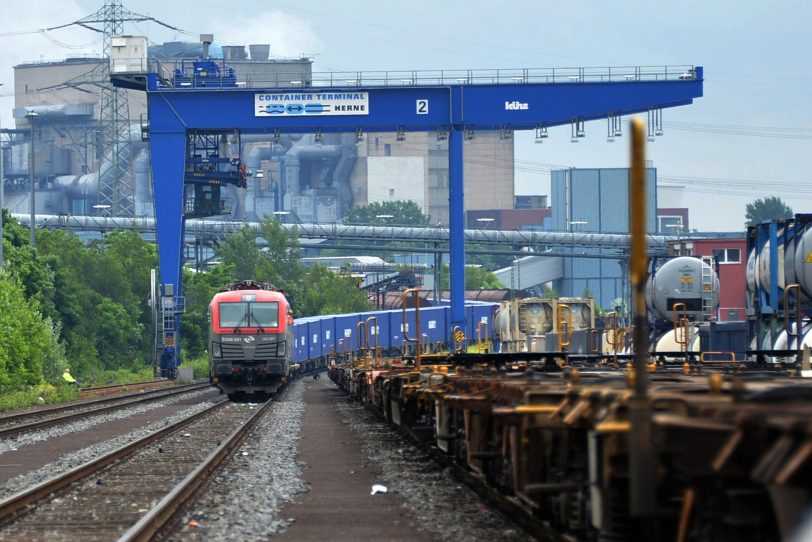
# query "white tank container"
(751, 271)
(763, 265)
(803, 262)
(667, 342)
(680, 281)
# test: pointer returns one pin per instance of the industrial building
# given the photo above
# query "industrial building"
(314, 177)
(596, 201)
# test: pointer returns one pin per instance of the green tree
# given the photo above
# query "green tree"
(326, 292)
(118, 335)
(198, 289)
(239, 250)
(767, 209)
(94, 283)
(277, 262)
(27, 265)
(55, 361)
(276, 259)
(404, 213)
(280, 263)
(476, 278)
(24, 335)
(488, 261)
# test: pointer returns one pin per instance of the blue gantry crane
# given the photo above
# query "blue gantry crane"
(198, 113)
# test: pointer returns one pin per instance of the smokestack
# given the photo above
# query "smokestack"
(207, 39)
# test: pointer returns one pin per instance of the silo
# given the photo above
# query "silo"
(260, 52)
(233, 52)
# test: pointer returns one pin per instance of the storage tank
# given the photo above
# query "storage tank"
(781, 342)
(504, 321)
(583, 314)
(233, 52)
(522, 324)
(667, 342)
(680, 280)
(536, 316)
(615, 341)
(259, 52)
(803, 261)
(763, 277)
(790, 277)
(751, 271)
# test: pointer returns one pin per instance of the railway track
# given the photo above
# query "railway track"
(135, 491)
(15, 424)
(101, 391)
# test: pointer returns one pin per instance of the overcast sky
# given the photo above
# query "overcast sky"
(750, 136)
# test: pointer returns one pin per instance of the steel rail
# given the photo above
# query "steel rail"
(162, 514)
(100, 391)
(76, 404)
(15, 504)
(41, 424)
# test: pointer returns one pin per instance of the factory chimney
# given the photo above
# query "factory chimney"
(207, 39)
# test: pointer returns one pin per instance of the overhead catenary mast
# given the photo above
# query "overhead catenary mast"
(116, 180)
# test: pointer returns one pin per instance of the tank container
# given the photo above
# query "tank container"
(680, 280)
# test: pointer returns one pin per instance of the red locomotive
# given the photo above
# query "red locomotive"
(249, 339)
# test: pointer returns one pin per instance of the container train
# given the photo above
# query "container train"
(248, 357)
(255, 346)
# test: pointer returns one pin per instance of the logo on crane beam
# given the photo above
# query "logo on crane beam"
(516, 105)
(309, 103)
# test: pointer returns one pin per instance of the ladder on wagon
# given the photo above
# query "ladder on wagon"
(708, 264)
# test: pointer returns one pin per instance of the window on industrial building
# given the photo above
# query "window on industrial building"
(387, 149)
(728, 255)
(670, 225)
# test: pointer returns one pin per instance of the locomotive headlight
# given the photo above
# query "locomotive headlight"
(215, 350)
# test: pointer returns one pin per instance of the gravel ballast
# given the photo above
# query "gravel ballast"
(245, 497)
(79, 457)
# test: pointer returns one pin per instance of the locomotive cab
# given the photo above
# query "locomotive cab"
(249, 340)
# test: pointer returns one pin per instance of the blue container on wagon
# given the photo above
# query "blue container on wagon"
(314, 345)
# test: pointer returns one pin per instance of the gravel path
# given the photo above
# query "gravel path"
(440, 504)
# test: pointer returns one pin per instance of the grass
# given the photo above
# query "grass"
(199, 365)
(11, 399)
(38, 395)
(119, 376)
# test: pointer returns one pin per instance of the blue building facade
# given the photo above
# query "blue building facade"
(596, 201)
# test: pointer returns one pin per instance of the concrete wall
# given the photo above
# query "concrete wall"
(392, 178)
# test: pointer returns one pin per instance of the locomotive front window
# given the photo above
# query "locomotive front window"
(265, 314)
(233, 314)
(249, 314)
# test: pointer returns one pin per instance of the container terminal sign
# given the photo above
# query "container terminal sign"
(288, 104)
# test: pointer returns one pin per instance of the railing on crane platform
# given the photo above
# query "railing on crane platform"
(405, 78)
